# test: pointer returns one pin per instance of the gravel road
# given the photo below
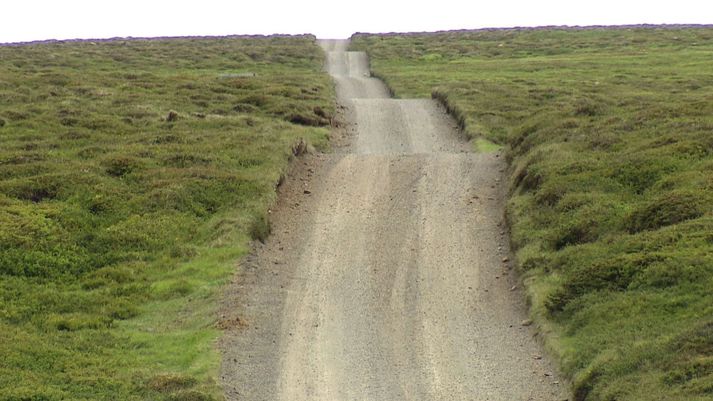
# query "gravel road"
(385, 278)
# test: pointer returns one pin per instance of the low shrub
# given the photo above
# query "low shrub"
(665, 210)
(120, 165)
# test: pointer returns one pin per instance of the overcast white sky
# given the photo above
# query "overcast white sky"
(25, 20)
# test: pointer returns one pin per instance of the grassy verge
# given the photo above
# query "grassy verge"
(610, 137)
(133, 174)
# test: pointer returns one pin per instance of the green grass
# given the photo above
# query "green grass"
(483, 145)
(133, 174)
(609, 133)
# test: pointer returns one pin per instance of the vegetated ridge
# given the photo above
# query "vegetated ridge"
(608, 134)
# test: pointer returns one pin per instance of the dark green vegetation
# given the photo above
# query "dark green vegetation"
(610, 137)
(132, 176)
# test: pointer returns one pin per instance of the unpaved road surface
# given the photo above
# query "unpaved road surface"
(384, 278)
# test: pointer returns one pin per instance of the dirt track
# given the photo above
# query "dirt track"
(384, 279)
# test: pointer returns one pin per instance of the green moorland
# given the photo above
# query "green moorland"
(133, 174)
(609, 133)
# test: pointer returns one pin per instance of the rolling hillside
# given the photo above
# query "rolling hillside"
(133, 174)
(609, 133)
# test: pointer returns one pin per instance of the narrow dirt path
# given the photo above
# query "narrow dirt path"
(384, 279)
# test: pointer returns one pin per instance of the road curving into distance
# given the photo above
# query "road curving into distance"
(384, 279)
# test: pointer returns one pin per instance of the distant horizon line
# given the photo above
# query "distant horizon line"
(247, 35)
